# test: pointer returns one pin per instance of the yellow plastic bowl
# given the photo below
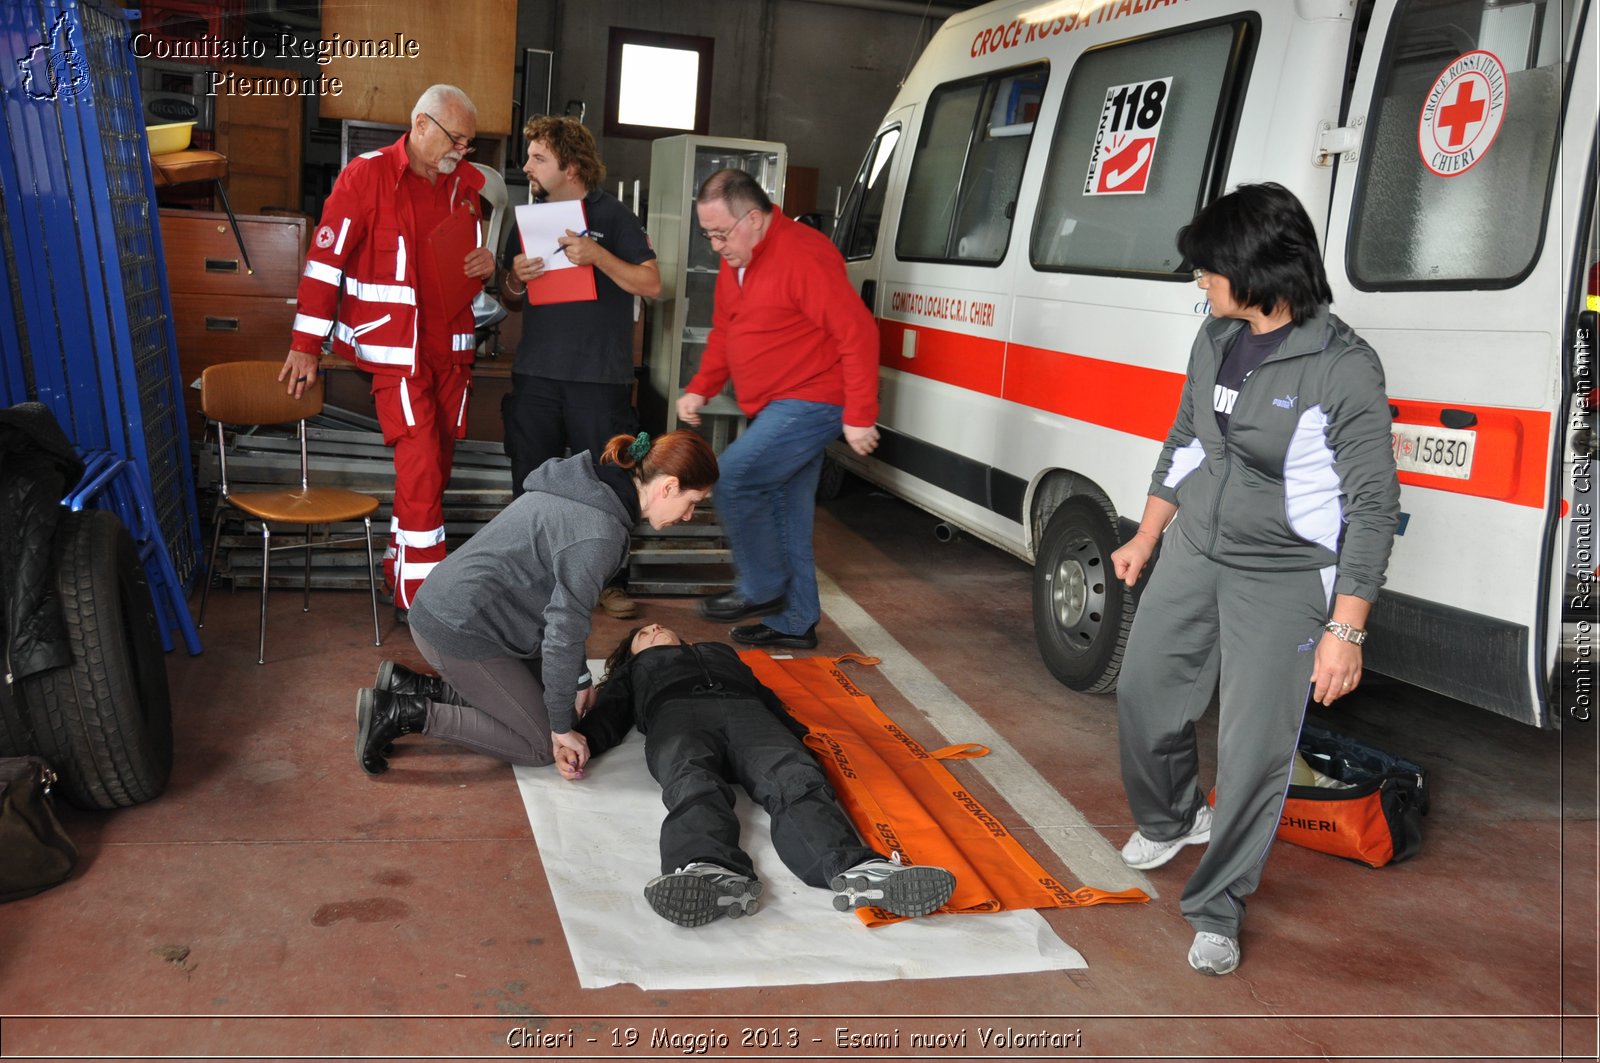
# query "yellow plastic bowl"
(168, 137)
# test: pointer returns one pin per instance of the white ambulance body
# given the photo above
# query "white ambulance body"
(1013, 228)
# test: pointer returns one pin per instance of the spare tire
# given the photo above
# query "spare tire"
(104, 722)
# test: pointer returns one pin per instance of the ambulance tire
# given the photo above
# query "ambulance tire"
(104, 722)
(1081, 612)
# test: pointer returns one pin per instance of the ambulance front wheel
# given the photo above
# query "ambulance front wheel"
(1081, 611)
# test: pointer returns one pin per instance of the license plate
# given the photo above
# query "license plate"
(1434, 451)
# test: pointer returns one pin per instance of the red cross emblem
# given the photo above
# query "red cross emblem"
(1461, 113)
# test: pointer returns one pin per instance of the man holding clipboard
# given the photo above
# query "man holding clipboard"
(393, 267)
(572, 380)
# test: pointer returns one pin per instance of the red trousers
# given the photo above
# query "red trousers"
(422, 416)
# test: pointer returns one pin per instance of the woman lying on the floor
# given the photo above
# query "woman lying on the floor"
(709, 722)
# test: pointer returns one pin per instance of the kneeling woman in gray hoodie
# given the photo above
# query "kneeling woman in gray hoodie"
(504, 618)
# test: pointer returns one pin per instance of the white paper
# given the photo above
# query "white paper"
(599, 840)
(542, 225)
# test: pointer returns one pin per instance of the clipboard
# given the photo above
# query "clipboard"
(546, 223)
(449, 244)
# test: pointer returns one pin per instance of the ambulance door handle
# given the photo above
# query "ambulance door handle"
(869, 294)
(1457, 418)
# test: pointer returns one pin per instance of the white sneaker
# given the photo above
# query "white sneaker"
(1214, 953)
(697, 894)
(1143, 854)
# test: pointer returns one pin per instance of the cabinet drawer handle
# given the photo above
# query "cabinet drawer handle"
(222, 265)
(222, 324)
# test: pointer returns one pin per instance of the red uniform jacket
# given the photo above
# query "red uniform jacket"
(367, 243)
(794, 329)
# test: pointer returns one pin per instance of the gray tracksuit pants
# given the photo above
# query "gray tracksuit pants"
(1258, 631)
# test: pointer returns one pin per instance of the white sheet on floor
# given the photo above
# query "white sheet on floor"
(598, 838)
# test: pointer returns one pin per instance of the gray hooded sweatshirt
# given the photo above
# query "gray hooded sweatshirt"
(525, 585)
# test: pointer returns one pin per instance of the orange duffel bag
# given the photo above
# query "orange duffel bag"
(1374, 817)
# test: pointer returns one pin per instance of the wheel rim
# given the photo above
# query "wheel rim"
(1078, 594)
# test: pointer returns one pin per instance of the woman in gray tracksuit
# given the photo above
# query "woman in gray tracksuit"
(504, 618)
(1282, 502)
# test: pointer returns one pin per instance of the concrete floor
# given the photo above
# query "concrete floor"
(276, 902)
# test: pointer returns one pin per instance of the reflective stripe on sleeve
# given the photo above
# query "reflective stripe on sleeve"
(316, 326)
(344, 229)
(321, 271)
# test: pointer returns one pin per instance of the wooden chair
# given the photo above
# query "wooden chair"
(249, 394)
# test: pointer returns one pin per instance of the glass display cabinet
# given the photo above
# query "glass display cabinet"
(681, 318)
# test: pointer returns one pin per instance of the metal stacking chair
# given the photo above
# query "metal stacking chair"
(249, 394)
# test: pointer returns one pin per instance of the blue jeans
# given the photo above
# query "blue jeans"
(766, 496)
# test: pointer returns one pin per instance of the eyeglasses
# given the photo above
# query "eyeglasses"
(722, 237)
(457, 141)
(1201, 274)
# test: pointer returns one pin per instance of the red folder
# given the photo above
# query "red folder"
(449, 244)
(571, 285)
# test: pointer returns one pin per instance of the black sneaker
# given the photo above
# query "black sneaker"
(701, 892)
(904, 890)
(762, 635)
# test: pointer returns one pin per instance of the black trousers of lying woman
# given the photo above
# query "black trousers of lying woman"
(708, 723)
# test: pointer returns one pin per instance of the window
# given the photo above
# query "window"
(1461, 147)
(657, 84)
(962, 191)
(857, 230)
(1138, 149)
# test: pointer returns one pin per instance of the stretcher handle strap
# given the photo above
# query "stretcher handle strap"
(959, 751)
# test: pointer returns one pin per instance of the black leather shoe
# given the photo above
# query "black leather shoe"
(381, 717)
(735, 606)
(396, 678)
(762, 635)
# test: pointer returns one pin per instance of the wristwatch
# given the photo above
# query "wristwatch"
(1345, 632)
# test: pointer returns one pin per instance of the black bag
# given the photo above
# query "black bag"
(1375, 821)
(35, 853)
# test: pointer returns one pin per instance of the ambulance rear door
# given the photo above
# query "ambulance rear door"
(1455, 225)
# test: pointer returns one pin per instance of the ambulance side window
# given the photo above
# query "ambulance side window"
(1461, 144)
(857, 234)
(1139, 147)
(961, 194)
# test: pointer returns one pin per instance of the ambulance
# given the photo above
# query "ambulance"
(1012, 229)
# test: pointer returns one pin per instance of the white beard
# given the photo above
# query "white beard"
(448, 163)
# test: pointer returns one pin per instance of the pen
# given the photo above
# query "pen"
(585, 232)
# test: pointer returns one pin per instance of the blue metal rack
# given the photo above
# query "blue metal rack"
(86, 318)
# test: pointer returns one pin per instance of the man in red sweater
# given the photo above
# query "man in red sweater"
(372, 281)
(802, 351)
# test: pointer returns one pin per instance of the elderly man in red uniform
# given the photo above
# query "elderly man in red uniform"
(395, 318)
(802, 351)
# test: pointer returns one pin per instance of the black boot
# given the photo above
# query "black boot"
(381, 717)
(396, 678)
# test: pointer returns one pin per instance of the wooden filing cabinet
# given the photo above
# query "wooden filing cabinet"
(222, 312)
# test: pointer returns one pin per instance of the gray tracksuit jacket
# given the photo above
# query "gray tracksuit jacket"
(526, 583)
(1305, 476)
